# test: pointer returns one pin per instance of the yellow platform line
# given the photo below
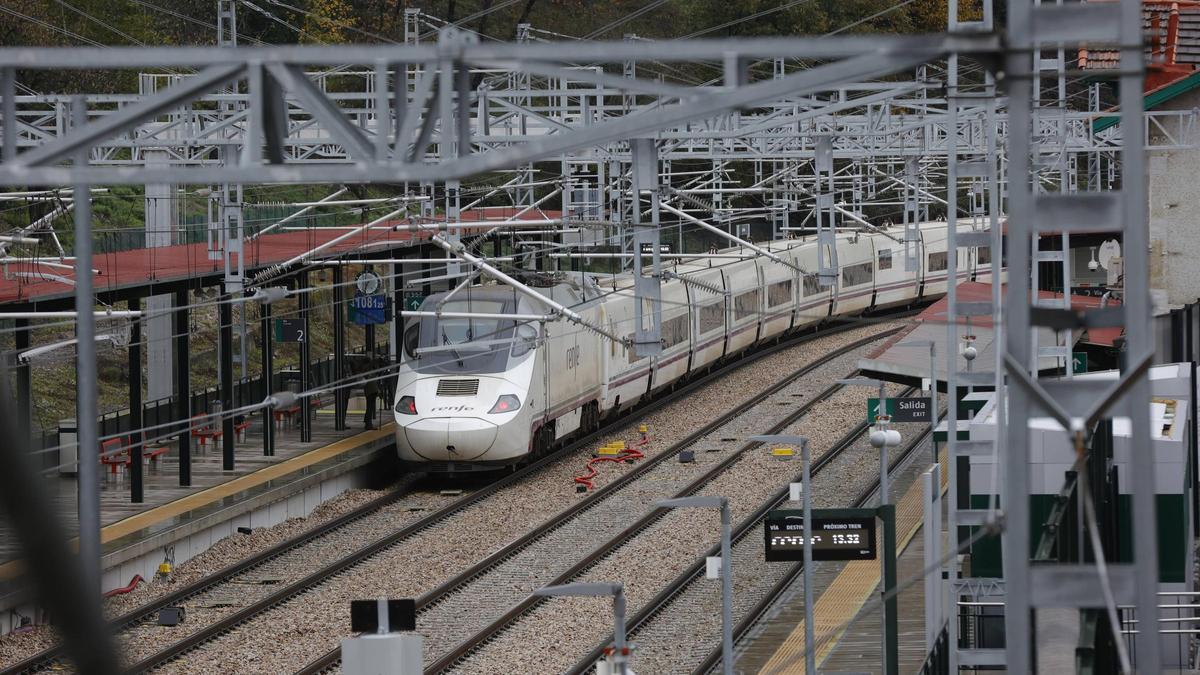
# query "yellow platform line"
(158, 514)
(854, 585)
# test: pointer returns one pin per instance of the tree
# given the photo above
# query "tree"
(327, 22)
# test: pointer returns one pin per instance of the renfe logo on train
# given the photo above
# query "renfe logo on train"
(838, 534)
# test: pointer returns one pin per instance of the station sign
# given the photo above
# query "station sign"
(838, 534)
(1079, 363)
(904, 409)
(368, 309)
(648, 248)
(289, 330)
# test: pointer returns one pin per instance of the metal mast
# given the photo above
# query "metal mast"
(1077, 405)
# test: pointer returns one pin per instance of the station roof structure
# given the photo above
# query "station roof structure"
(892, 362)
(148, 271)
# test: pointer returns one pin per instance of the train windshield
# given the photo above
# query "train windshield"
(480, 341)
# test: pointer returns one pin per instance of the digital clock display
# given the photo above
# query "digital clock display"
(837, 534)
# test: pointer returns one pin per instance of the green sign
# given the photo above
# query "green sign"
(873, 409)
(903, 409)
(412, 303)
(1078, 362)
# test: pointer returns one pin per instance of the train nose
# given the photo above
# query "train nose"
(433, 439)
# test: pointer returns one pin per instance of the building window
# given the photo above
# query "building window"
(855, 275)
(885, 259)
(937, 262)
(983, 255)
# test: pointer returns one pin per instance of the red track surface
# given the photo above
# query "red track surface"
(126, 269)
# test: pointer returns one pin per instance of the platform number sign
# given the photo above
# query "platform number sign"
(290, 330)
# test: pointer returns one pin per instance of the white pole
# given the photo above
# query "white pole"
(726, 591)
(810, 642)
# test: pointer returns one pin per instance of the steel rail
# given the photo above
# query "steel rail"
(331, 658)
(49, 657)
(658, 603)
(40, 662)
(469, 646)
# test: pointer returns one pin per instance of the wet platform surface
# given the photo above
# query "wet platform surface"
(776, 645)
(212, 488)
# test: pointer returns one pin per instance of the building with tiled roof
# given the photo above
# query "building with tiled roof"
(1172, 95)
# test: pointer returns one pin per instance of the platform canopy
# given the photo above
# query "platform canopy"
(905, 356)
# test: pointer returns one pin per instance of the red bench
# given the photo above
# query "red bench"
(205, 432)
(285, 414)
(114, 455)
(239, 429)
(151, 453)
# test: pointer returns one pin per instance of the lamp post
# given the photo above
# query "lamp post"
(617, 591)
(726, 569)
(810, 655)
(883, 438)
(933, 413)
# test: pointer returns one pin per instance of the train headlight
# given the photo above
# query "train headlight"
(505, 404)
(407, 405)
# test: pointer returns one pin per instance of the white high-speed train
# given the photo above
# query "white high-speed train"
(485, 391)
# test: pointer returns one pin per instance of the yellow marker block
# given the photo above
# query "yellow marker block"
(619, 445)
(783, 453)
(608, 450)
(642, 428)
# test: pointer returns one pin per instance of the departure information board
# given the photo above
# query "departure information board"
(838, 534)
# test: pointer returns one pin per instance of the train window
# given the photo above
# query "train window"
(885, 259)
(854, 275)
(412, 337)
(812, 285)
(675, 330)
(937, 261)
(779, 293)
(983, 255)
(712, 317)
(525, 341)
(745, 305)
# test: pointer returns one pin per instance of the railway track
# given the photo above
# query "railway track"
(255, 564)
(685, 601)
(519, 612)
(477, 645)
(448, 613)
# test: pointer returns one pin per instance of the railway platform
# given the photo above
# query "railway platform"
(175, 523)
(847, 616)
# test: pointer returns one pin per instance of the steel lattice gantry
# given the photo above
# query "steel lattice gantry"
(410, 113)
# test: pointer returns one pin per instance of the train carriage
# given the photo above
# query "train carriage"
(779, 301)
(894, 286)
(708, 313)
(856, 278)
(482, 383)
(674, 361)
(745, 305)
